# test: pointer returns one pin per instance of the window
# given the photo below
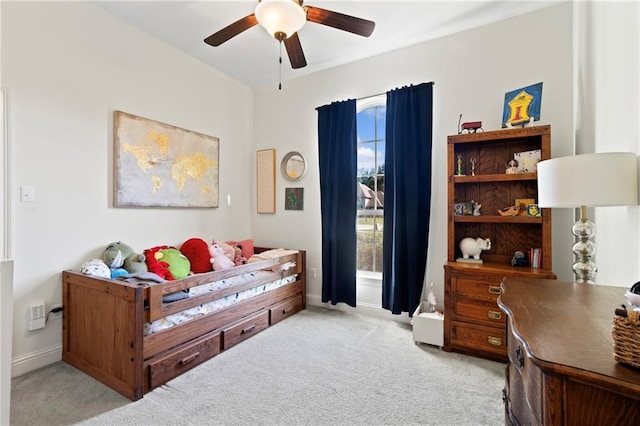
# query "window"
(370, 180)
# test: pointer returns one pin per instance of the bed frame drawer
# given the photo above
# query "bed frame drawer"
(244, 329)
(285, 309)
(165, 367)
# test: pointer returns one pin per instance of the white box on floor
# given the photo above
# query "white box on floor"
(428, 327)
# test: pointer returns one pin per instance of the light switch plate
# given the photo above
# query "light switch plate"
(27, 194)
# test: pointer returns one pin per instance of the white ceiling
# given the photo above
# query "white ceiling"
(252, 56)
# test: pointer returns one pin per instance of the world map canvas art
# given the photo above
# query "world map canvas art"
(159, 165)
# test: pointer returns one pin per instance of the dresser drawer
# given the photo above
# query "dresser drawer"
(244, 329)
(285, 309)
(478, 338)
(163, 368)
(481, 287)
(487, 312)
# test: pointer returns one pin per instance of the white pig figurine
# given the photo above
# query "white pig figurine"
(472, 247)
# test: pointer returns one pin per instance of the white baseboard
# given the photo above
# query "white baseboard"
(361, 308)
(35, 360)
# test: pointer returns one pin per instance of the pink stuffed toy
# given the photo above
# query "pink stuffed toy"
(219, 260)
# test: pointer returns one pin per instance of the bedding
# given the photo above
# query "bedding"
(207, 308)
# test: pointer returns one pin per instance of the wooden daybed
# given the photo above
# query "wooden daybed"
(106, 322)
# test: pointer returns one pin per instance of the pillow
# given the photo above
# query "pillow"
(247, 247)
(96, 267)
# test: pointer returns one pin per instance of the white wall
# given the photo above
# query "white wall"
(472, 71)
(608, 120)
(68, 66)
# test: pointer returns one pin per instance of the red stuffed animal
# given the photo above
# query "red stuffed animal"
(197, 251)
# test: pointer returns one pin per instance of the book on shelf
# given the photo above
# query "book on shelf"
(535, 257)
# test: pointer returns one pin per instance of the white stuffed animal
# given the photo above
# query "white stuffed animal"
(472, 247)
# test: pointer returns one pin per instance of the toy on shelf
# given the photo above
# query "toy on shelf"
(469, 127)
(509, 211)
(472, 247)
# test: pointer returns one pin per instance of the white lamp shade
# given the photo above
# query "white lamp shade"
(592, 180)
(285, 16)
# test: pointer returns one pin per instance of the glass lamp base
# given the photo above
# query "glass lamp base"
(584, 249)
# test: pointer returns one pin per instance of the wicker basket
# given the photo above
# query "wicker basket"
(626, 338)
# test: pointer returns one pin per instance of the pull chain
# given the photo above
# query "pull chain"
(280, 36)
(280, 68)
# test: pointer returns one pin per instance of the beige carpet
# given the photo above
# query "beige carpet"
(318, 367)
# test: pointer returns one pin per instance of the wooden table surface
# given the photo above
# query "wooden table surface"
(566, 328)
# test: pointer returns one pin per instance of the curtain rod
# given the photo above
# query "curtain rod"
(384, 93)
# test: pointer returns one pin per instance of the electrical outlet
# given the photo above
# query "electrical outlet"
(56, 315)
(36, 316)
(313, 272)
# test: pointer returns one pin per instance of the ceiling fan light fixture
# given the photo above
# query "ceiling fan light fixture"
(280, 16)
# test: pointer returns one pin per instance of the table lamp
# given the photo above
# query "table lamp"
(588, 180)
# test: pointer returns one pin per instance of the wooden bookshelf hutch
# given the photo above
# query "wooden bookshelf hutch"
(474, 324)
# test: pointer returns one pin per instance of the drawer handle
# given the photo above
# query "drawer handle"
(287, 310)
(248, 329)
(496, 315)
(520, 356)
(494, 289)
(190, 358)
(495, 341)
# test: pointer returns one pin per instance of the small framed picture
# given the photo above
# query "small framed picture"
(293, 198)
(527, 161)
(521, 205)
(463, 209)
(533, 210)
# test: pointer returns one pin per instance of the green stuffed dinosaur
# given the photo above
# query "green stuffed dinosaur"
(122, 259)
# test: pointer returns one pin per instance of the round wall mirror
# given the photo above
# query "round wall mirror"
(293, 166)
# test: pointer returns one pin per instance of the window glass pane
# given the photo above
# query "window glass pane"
(367, 197)
(368, 237)
(377, 250)
(380, 157)
(366, 158)
(381, 121)
(370, 181)
(365, 122)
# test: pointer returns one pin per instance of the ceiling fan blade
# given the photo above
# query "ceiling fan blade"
(340, 21)
(294, 50)
(232, 30)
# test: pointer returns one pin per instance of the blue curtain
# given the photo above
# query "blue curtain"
(407, 198)
(337, 157)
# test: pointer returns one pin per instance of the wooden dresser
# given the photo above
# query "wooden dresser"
(473, 323)
(561, 369)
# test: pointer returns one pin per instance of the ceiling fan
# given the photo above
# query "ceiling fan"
(284, 18)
